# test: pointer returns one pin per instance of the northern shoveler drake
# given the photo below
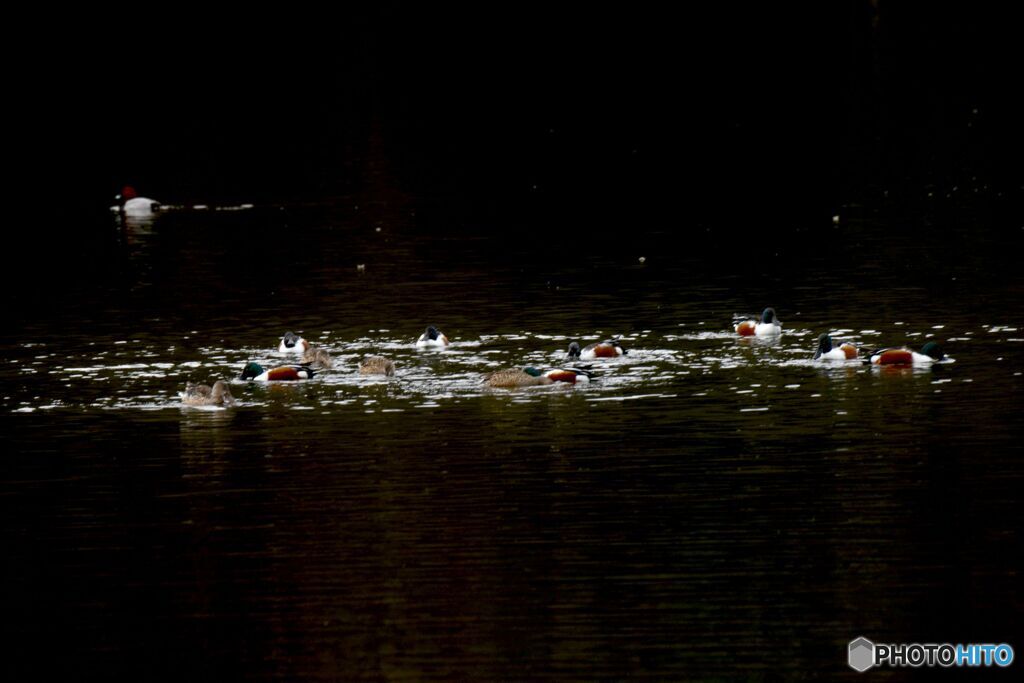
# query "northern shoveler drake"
(318, 357)
(568, 375)
(286, 373)
(930, 353)
(201, 395)
(769, 326)
(129, 203)
(377, 365)
(516, 377)
(432, 338)
(605, 349)
(826, 351)
(292, 343)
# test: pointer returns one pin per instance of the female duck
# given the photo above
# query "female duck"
(317, 357)
(515, 377)
(292, 343)
(529, 377)
(769, 326)
(930, 353)
(432, 338)
(377, 365)
(286, 373)
(605, 349)
(826, 351)
(202, 395)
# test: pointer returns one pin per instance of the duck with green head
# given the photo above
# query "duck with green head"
(287, 373)
(930, 353)
(292, 343)
(767, 326)
(605, 349)
(432, 338)
(828, 351)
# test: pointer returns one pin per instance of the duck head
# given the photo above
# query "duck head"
(252, 371)
(768, 316)
(432, 333)
(824, 345)
(574, 351)
(932, 350)
(290, 339)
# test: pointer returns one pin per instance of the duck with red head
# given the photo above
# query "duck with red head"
(130, 204)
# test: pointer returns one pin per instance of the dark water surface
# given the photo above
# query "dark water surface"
(708, 508)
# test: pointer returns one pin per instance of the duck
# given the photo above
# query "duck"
(516, 377)
(769, 326)
(201, 395)
(605, 349)
(286, 373)
(930, 353)
(377, 365)
(568, 375)
(292, 343)
(845, 351)
(317, 357)
(129, 203)
(432, 338)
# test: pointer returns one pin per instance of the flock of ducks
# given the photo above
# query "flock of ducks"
(769, 326)
(315, 359)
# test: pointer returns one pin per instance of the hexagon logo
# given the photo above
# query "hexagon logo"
(862, 654)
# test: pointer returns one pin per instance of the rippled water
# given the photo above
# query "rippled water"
(709, 507)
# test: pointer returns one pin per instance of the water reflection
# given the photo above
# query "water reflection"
(703, 493)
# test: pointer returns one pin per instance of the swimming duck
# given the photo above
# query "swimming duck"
(318, 357)
(930, 353)
(568, 375)
(769, 326)
(605, 349)
(286, 373)
(432, 338)
(202, 395)
(292, 343)
(515, 377)
(377, 365)
(129, 203)
(845, 351)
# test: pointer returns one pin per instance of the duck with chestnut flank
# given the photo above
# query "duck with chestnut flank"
(604, 349)
(930, 353)
(432, 338)
(828, 351)
(285, 373)
(768, 326)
